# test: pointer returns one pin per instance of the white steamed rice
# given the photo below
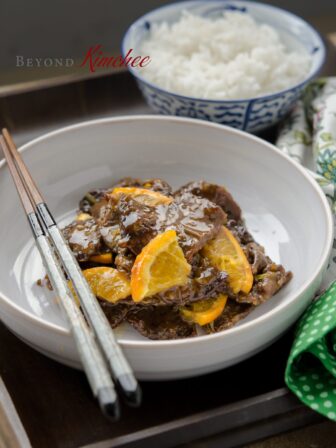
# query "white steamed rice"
(230, 57)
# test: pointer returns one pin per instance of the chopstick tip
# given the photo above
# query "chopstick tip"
(130, 388)
(109, 404)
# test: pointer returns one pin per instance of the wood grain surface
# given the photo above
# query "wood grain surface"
(58, 410)
(12, 433)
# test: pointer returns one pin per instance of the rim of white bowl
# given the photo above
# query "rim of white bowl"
(311, 75)
(33, 319)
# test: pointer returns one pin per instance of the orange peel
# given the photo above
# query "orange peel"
(205, 311)
(160, 266)
(105, 258)
(225, 253)
(106, 283)
(147, 197)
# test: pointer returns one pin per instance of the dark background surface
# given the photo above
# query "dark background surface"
(67, 28)
(48, 28)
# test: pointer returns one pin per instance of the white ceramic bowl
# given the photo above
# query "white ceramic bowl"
(251, 114)
(284, 208)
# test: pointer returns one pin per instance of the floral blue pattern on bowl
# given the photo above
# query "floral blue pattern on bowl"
(252, 114)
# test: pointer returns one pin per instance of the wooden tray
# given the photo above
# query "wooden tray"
(227, 408)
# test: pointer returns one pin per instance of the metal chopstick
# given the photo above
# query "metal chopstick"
(92, 360)
(120, 368)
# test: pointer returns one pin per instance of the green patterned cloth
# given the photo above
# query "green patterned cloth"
(309, 136)
(311, 367)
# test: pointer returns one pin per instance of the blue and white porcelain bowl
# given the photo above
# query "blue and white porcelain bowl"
(252, 114)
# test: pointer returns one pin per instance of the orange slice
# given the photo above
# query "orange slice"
(205, 311)
(225, 253)
(147, 197)
(105, 258)
(160, 266)
(83, 217)
(106, 283)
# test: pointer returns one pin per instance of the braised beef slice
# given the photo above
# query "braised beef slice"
(196, 221)
(111, 236)
(215, 193)
(256, 257)
(124, 260)
(233, 313)
(115, 313)
(162, 322)
(239, 230)
(273, 278)
(83, 238)
(106, 216)
(103, 211)
(91, 198)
